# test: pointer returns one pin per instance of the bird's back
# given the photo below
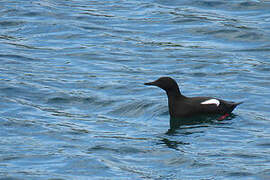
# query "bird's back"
(185, 107)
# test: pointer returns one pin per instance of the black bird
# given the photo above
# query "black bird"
(181, 106)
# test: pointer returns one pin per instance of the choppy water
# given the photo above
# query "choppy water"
(73, 104)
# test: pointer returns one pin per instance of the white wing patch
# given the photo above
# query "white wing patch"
(211, 101)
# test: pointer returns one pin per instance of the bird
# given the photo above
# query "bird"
(181, 106)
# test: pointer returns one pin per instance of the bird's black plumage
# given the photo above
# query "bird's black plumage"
(181, 106)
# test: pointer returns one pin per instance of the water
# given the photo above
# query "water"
(73, 104)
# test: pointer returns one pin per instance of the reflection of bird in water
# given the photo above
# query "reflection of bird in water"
(172, 144)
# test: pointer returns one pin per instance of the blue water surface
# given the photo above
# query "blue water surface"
(73, 104)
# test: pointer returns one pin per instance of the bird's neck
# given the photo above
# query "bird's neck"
(174, 94)
(173, 98)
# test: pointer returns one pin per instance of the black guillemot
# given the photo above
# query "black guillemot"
(181, 106)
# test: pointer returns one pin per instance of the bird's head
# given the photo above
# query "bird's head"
(166, 83)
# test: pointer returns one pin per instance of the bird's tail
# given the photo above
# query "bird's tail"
(233, 105)
(236, 104)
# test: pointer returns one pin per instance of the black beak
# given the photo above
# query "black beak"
(150, 83)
